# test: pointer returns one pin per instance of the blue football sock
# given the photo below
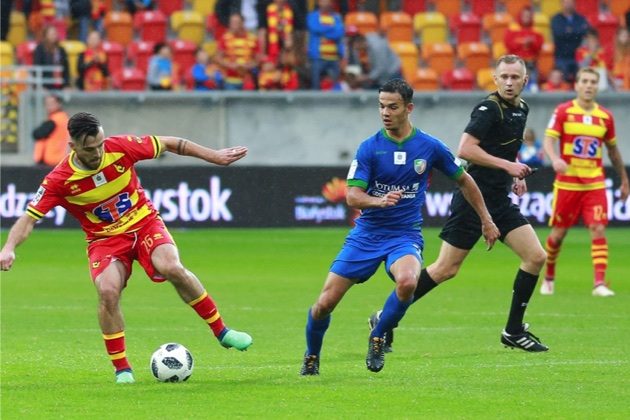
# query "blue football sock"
(393, 312)
(315, 330)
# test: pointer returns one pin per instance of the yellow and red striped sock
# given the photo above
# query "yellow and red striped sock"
(115, 345)
(205, 307)
(553, 249)
(599, 255)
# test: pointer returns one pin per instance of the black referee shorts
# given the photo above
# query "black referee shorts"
(463, 227)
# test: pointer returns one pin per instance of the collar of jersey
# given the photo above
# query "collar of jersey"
(400, 143)
(496, 93)
(589, 112)
(76, 168)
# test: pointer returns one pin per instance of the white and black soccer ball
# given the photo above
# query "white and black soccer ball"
(171, 362)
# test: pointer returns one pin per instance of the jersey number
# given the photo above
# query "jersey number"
(113, 209)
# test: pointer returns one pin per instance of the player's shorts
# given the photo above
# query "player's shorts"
(127, 247)
(363, 252)
(463, 227)
(569, 205)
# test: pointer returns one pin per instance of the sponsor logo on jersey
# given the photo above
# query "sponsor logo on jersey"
(38, 195)
(400, 158)
(585, 147)
(114, 208)
(419, 165)
(119, 168)
(99, 179)
(483, 108)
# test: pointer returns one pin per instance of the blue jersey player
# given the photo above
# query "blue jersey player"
(387, 182)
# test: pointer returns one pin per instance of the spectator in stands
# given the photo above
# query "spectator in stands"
(555, 82)
(206, 75)
(134, 6)
(568, 29)
(290, 76)
(49, 53)
(51, 137)
(276, 28)
(527, 43)
(269, 77)
(81, 11)
(250, 10)
(325, 49)
(531, 152)
(162, 74)
(621, 70)
(92, 65)
(378, 62)
(238, 54)
(592, 54)
(99, 10)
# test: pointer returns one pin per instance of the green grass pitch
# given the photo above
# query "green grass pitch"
(447, 361)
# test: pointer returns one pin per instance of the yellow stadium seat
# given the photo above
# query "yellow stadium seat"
(498, 49)
(189, 26)
(426, 79)
(408, 53)
(398, 26)
(7, 57)
(431, 27)
(210, 47)
(485, 79)
(73, 49)
(365, 22)
(439, 56)
(495, 24)
(204, 7)
(17, 28)
(475, 55)
(550, 7)
(543, 26)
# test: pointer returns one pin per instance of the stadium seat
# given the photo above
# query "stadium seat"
(466, 27)
(426, 79)
(210, 47)
(448, 8)
(514, 7)
(589, 9)
(619, 7)
(408, 53)
(189, 26)
(17, 28)
(140, 52)
(214, 27)
(411, 7)
(474, 55)
(168, 7)
(398, 26)
(550, 7)
(203, 7)
(458, 79)
(482, 7)
(498, 49)
(115, 56)
(61, 25)
(365, 22)
(542, 24)
(183, 55)
(73, 49)
(545, 62)
(606, 24)
(130, 79)
(439, 56)
(118, 27)
(7, 57)
(151, 25)
(431, 27)
(485, 79)
(24, 52)
(495, 24)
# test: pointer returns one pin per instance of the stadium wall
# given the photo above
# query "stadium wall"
(262, 196)
(287, 129)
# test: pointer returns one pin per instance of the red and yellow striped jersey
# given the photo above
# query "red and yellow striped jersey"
(582, 135)
(106, 201)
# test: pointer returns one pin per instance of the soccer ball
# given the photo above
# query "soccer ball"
(172, 362)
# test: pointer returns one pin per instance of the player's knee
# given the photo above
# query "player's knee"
(174, 271)
(538, 259)
(406, 285)
(109, 296)
(444, 272)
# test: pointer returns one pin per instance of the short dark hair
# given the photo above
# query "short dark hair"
(81, 125)
(398, 86)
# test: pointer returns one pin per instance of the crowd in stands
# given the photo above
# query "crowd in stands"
(314, 44)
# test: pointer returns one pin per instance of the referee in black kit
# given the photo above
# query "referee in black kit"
(490, 143)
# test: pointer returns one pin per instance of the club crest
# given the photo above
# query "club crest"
(419, 165)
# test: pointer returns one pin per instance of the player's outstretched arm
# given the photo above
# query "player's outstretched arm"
(472, 194)
(18, 234)
(549, 146)
(357, 198)
(184, 147)
(615, 158)
(470, 150)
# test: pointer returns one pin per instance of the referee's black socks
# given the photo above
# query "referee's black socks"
(524, 285)
(425, 285)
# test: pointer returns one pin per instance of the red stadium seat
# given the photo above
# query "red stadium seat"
(169, 6)
(151, 25)
(589, 9)
(24, 52)
(482, 7)
(115, 56)
(140, 52)
(458, 79)
(183, 55)
(130, 79)
(412, 7)
(607, 24)
(467, 27)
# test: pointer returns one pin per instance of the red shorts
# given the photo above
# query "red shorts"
(128, 247)
(569, 205)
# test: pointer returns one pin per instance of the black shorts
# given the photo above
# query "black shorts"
(463, 227)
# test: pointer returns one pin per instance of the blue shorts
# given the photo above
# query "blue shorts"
(363, 252)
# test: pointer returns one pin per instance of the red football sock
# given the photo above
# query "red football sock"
(599, 255)
(206, 309)
(115, 345)
(553, 249)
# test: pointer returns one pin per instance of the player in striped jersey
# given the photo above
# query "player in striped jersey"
(98, 185)
(582, 127)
